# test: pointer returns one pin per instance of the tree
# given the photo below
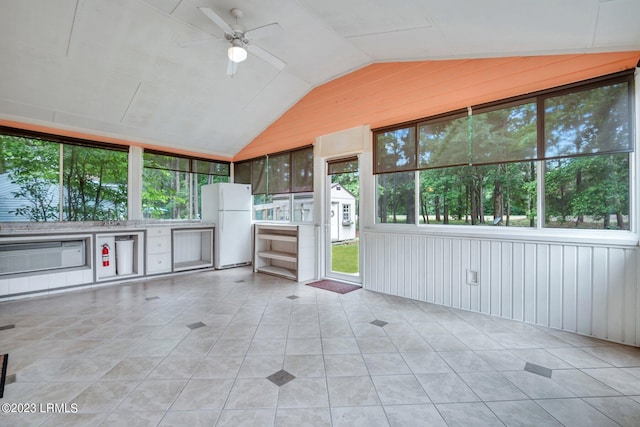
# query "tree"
(94, 179)
(32, 165)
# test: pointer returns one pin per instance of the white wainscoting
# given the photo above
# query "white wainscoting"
(587, 289)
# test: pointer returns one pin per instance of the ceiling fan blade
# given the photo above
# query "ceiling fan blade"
(232, 68)
(266, 56)
(216, 19)
(263, 31)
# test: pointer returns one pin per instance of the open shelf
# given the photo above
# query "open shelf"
(282, 256)
(278, 271)
(192, 248)
(278, 237)
(285, 251)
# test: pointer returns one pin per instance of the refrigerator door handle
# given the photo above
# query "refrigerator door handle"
(222, 222)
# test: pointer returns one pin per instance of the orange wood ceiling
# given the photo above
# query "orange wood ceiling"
(388, 93)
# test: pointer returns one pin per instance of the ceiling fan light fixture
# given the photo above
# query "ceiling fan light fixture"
(237, 52)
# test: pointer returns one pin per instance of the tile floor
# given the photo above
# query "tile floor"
(231, 348)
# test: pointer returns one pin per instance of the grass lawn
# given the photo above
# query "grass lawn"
(344, 258)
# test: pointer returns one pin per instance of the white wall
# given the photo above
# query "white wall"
(591, 289)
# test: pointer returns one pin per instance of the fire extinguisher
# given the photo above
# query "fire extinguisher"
(105, 255)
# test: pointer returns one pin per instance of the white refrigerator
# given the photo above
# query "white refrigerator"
(229, 207)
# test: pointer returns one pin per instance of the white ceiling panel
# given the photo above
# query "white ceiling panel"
(425, 42)
(616, 17)
(503, 27)
(116, 67)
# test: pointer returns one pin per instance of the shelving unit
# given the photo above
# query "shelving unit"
(285, 251)
(192, 248)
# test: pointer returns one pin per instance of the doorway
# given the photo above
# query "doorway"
(343, 228)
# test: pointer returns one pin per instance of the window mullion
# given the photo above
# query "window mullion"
(61, 183)
(540, 198)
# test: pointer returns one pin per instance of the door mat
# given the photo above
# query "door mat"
(4, 358)
(333, 286)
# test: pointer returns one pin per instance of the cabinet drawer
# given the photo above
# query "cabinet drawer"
(158, 245)
(159, 263)
(158, 231)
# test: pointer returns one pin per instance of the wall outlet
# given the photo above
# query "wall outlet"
(472, 277)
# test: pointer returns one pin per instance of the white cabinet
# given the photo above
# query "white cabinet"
(192, 248)
(285, 250)
(158, 250)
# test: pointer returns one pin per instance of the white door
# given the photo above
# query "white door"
(343, 256)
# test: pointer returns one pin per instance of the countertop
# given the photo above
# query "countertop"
(8, 229)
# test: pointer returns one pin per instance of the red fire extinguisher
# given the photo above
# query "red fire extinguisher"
(105, 255)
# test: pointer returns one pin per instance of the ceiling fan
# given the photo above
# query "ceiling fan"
(239, 39)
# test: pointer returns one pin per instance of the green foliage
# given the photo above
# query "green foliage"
(33, 166)
(94, 180)
(345, 258)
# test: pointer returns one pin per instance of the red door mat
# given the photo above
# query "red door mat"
(333, 286)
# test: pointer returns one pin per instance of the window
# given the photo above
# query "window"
(171, 184)
(346, 214)
(281, 183)
(89, 185)
(480, 166)
(396, 200)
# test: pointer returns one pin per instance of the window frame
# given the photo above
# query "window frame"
(264, 176)
(63, 142)
(191, 169)
(626, 76)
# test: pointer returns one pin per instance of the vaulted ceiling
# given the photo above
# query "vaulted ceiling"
(153, 72)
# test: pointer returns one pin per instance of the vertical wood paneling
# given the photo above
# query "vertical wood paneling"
(495, 277)
(615, 311)
(555, 287)
(531, 269)
(423, 277)
(431, 249)
(392, 279)
(474, 264)
(542, 285)
(506, 280)
(484, 273)
(446, 276)
(465, 261)
(630, 296)
(569, 287)
(585, 286)
(599, 293)
(456, 273)
(413, 267)
(518, 276)
(588, 289)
